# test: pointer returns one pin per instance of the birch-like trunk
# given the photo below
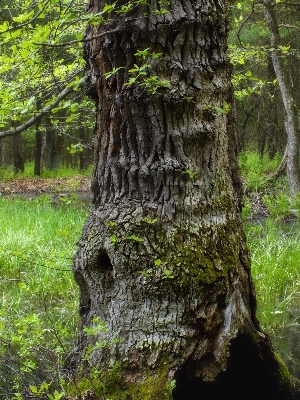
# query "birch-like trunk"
(291, 125)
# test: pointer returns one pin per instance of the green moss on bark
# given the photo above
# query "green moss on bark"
(286, 381)
(111, 383)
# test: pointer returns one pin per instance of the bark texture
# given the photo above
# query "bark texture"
(162, 259)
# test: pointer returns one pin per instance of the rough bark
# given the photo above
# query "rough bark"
(289, 103)
(163, 259)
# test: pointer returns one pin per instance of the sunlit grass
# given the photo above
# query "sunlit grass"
(275, 251)
(254, 168)
(39, 298)
(38, 294)
(62, 172)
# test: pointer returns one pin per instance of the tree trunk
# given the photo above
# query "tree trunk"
(18, 156)
(2, 152)
(162, 259)
(290, 106)
(53, 146)
(38, 159)
(83, 160)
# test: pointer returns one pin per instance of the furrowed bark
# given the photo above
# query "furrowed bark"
(163, 259)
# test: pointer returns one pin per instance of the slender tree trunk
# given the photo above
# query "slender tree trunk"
(2, 152)
(290, 106)
(82, 154)
(18, 155)
(163, 259)
(53, 146)
(38, 149)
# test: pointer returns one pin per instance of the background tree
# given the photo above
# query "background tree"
(265, 49)
(35, 67)
(162, 261)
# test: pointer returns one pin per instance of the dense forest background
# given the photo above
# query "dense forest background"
(41, 55)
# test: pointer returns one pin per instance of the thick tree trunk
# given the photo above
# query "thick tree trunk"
(162, 259)
(290, 106)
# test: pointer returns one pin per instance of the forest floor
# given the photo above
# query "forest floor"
(23, 186)
(31, 187)
(256, 209)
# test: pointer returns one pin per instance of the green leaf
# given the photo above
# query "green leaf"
(113, 72)
(114, 239)
(30, 101)
(24, 53)
(34, 389)
(135, 238)
(191, 173)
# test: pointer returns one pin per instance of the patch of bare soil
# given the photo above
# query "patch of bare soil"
(44, 185)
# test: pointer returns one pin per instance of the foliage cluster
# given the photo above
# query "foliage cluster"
(260, 110)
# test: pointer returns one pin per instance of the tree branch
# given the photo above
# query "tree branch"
(286, 3)
(26, 23)
(289, 26)
(76, 41)
(46, 110)
(244, 22)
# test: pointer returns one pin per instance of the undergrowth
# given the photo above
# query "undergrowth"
(62, 172)
(275, 253)
(255, 169)
(39, 298)
(38, 295)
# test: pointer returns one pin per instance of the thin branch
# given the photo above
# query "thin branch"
(76, 41)
(28, 22)
(286, 3)
(45, 111)
(244, 22)
(289, 26)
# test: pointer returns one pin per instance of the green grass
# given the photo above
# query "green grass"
(255, 168)
(62, 172)
(275, 251)
(38, 295)
(39, 298)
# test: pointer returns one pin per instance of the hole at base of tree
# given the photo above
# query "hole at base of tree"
(103, 263)
(247, 377)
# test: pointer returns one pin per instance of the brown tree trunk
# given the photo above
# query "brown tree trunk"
(83, 159)
(38, 159)
(290, 106)
(53, 146)
(18, 155)
(162, 259)
(2, 152)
